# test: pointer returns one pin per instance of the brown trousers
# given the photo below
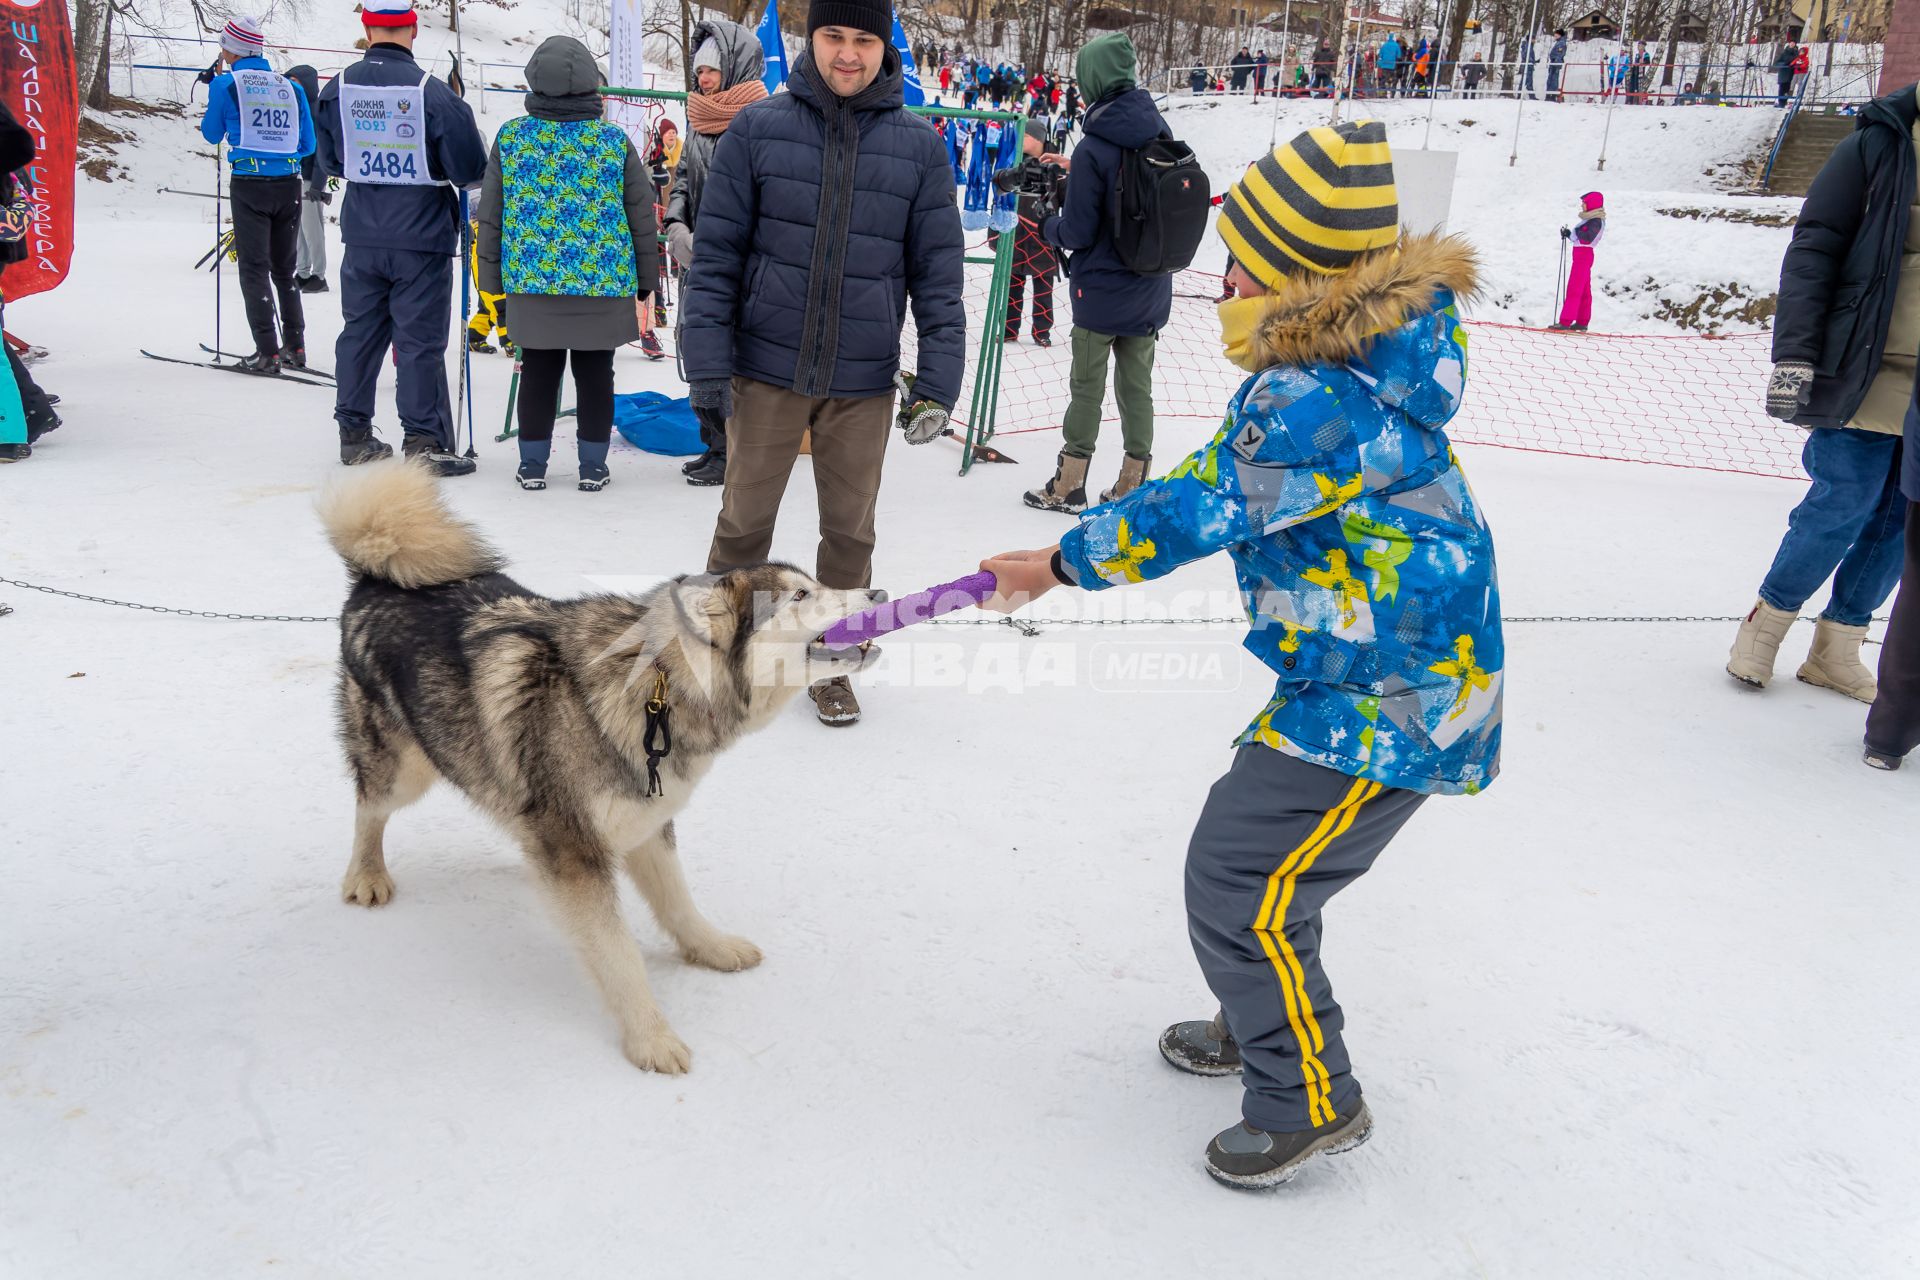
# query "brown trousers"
(763, 439)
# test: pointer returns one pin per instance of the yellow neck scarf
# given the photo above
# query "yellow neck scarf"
(1239, 321)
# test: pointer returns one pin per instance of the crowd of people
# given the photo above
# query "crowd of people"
(811, 224)
(1412, 66)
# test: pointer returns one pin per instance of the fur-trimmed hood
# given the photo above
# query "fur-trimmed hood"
(1334, 319)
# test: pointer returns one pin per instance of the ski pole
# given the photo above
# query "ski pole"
(466, 349)
(217, 255)
(1559, 280)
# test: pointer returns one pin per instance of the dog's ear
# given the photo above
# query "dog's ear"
(707, 609)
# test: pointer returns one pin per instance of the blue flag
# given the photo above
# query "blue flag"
(774, 45)
(915, 95)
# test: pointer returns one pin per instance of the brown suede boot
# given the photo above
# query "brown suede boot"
(1132, 471)
(1067, 491)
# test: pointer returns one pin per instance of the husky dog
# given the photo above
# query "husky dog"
(540, 711)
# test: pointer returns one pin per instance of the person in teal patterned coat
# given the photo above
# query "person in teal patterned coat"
(567, 233)
(1368, 576)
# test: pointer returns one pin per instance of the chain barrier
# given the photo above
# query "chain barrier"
(1028, 627)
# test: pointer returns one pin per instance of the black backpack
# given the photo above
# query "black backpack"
(1160, 207)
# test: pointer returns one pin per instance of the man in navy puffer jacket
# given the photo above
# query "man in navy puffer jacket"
(1114, 309)
(827, 210)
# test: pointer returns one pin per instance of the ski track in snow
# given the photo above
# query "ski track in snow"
(1637, 1011)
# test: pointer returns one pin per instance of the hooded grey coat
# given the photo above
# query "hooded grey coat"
(741, 60)
(564, 79)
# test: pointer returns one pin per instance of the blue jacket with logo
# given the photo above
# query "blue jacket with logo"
(222, 121)
(1366, 568)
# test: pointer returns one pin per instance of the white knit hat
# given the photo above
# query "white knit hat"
(707, 55)
(242, 36)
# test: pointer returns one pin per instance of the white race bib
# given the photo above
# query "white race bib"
(386, 133)
(269, 113)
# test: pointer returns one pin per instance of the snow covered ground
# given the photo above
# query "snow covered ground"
(1640, 1010)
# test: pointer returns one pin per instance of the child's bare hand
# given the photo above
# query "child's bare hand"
(1020, 578)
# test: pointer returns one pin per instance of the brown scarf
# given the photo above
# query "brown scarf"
(712, 113)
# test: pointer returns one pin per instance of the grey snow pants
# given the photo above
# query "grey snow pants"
(1279, 837)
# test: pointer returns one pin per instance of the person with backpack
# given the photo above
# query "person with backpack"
(1118, 311)
(1368, 576)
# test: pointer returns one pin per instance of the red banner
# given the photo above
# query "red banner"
(37, 84)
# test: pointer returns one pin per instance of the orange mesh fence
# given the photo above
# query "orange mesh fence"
(1679, 401)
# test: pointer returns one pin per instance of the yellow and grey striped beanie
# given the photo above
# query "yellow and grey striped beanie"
(1315, 204)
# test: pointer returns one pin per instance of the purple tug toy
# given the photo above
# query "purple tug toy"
(974, 589)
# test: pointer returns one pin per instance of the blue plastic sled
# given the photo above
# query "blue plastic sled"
(654, 422)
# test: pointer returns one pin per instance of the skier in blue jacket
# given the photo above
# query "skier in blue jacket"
(265, 119)
(1368, 577)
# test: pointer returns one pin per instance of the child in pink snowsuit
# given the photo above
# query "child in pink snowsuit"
(1577, 310)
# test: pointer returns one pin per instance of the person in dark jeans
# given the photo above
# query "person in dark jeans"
(1846, 339)
(567, 234)
(268, 125)
(1040, 184)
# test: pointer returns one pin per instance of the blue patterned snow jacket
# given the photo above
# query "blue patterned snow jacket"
(1362, 556)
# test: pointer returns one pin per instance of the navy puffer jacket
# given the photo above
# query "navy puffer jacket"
(810, 293)
(1840, 273)
(1108, 298)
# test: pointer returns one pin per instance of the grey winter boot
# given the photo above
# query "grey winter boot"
(1132, 471)
(1834, 662)
(1067, 491)
(1758, 643)
(1201, 1048)
(1244, 1156)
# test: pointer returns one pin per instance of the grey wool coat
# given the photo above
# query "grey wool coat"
(563, 80)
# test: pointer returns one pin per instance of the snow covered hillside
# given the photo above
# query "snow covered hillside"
(1640, 1010)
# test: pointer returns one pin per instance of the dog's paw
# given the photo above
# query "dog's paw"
(723, 952)
(660, 1051)
(367, 888)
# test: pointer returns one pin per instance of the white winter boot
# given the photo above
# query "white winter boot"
(1758, 643)
(1834, 662)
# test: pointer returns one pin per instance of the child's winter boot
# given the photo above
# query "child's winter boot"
(594, 475)
(1201, 1048)
(1244, 1156)
(1758, 643)
(533, 463)
(1132, 472)
(1834, 662)
(1067, 491)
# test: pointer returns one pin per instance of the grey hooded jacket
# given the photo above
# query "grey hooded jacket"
(564, 79)
(741, 60)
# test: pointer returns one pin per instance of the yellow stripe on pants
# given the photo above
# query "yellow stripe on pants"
(1270, 927)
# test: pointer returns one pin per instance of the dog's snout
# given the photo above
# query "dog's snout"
(876, 596)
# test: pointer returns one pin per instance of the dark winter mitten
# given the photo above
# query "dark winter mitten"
(680, 244)
(1566, 234)
(923, 420)
(1788, 388)
(714, 394)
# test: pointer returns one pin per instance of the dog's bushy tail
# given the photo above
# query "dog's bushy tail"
(387, 520)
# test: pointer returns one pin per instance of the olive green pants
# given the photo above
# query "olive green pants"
(1132, 388)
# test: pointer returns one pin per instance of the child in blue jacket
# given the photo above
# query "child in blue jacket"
(1368, 576)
